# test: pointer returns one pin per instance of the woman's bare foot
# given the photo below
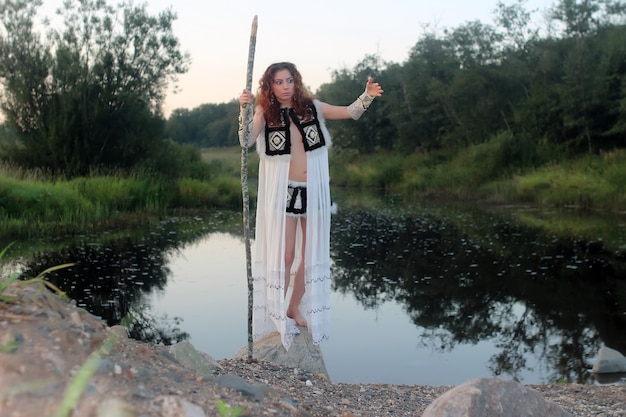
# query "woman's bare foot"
(294, 313)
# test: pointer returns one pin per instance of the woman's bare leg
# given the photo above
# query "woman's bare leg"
(291, 226)
(293, 311)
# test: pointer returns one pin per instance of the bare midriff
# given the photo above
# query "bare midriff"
(297, 166)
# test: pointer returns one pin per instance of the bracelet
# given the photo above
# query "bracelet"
(358, 107)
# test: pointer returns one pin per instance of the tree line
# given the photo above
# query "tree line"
(91, 94)
(561, 86)
(87, 96)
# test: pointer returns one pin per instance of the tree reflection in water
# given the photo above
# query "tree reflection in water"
(467, 277)
(115, 273)
(463, 276)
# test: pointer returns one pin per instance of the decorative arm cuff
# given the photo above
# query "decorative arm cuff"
(358, 107)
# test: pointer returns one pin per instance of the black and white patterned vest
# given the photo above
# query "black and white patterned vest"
(278, 138)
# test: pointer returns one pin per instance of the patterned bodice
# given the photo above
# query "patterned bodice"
(278, 138)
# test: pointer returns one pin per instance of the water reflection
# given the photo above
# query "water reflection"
(114, 273)
(464, 277)
(461, 277)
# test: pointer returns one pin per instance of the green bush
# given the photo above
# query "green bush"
(589, 182)
(383, 170)
(196, 193)
(229, 192)
(36, 201)
(112, 192)
(223, 192)
(472, 167)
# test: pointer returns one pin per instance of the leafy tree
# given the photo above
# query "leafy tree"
(374, 130)
(424, 115)
(209, 125)
(613, 83)
(475, 44)
(89, 95)
(581, 18)
(584, 100)
(467, 85)
(517, 35)
(24, 66)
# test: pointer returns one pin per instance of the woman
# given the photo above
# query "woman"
(293, 209)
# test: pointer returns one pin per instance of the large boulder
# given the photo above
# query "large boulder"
(303, 353)
(493, 397)
(609, 361)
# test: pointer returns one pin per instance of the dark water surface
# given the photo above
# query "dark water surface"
(423, 293)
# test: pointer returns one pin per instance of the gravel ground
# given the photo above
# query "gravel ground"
(323, 398)
(44, 342)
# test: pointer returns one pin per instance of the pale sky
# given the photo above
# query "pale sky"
(318, 36)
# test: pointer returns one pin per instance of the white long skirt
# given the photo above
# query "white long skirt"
(268, 268)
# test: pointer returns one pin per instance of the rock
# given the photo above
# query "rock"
(615, 378)
(119, 332)
(185, 353)
(55, 358)
(75, 317)
(302, 354)
(172, 406)
(237, 383)
(493, 397)
(114, 407)
(105, 366)
(609, 361)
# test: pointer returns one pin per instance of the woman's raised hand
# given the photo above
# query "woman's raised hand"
(373, 89)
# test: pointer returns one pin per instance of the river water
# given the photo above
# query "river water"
(423, 292)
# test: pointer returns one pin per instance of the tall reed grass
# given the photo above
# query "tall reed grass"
(381, 170)
(590, 182)
(34, 204)
(492, 171)
(31, 206)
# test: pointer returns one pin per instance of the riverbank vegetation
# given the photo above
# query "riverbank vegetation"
(479, 173)
(588, 181)
(33, 205)
(511, 112)
(531, 109)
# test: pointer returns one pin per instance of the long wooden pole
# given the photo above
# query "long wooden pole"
(245, 114)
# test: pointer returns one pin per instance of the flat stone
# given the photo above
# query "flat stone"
(187, 355)
(172, 406)
(237, 383)
(303, 353)
(114, 407)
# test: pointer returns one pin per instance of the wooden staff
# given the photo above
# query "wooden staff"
(244, 116)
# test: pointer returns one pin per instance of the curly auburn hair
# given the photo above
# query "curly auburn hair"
(302, 100)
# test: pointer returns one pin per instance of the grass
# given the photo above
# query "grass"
(453, 173)
(589, 182)
(380, 171)
(486, 172)
(228, 161)
(226, 410)
(38, 281)
(31, 206)
(496, 170)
